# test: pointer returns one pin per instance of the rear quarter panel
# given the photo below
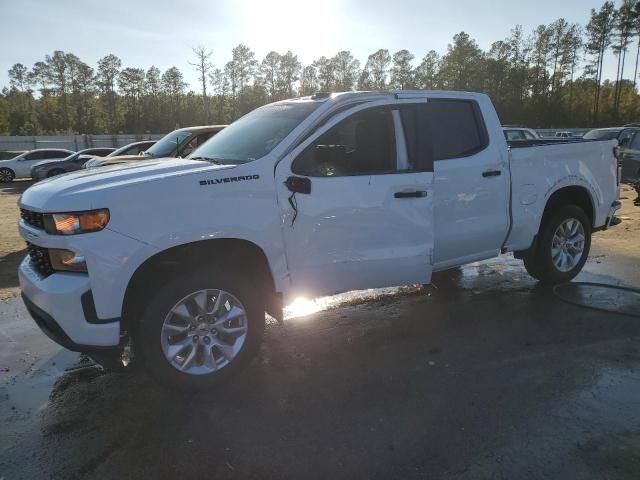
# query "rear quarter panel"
(537, 172)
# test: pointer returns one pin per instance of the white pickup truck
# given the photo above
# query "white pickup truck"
(178, 260)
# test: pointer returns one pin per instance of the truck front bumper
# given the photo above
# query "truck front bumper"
(62, 306)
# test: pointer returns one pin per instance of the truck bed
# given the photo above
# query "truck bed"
(546, 141)
(538, 168)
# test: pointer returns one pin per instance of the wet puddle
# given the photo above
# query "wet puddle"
(607, 298)
(504, 272)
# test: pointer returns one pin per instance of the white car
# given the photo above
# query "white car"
(177, 260)
(520, 133)
(20, 166)
(564, 135)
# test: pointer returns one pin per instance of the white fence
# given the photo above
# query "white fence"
(72, 142)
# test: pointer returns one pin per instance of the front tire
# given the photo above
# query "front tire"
(199, 329)
(6, 175)
(562, 248)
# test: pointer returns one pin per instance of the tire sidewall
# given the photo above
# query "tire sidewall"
(12, 174)
(549, 273)
(147, 332)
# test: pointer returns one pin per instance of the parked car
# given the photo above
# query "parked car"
(51, 168)
(622, 134)
(135, 148)
(519, 133)
(628, 153)
(177, 261)
(20, 166)
(178, 143)
(563, 135)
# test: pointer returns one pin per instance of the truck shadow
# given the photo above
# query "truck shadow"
(9, 271)
(16, 187)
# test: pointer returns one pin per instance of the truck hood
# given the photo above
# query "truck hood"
(78, 190)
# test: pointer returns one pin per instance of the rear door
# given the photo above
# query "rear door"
(356, 213)
(471, 183)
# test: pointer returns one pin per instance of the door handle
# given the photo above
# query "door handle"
(491, 173)
(416, 194)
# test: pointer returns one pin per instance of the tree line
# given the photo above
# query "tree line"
(551, 77)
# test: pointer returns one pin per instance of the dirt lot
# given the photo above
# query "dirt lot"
(12, 247)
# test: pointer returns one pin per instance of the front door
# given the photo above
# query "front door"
(357, 213)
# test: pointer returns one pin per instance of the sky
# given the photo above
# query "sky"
(162, 33)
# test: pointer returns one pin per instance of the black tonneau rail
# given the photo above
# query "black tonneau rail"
(549, 141)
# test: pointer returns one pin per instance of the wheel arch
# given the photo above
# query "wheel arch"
(240, 254)
(567, 195)
(571, 195)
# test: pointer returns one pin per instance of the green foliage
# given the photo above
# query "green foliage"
(537, 80)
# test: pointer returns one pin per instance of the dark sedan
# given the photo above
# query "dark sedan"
(629, 156)
(73, 162)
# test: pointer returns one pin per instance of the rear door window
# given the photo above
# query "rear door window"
(55, 154)
(458, 128)
(635, 141)
(35, 156)
(442, 129)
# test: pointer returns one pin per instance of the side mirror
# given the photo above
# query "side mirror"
(298, 185)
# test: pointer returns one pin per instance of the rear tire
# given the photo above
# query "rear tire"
(217, 352)
(6, 175)
(562, 248)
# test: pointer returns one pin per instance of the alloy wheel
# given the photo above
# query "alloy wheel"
(567, 246)
(204, 331)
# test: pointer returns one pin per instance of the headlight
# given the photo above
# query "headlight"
(67, 261)
(77, 222)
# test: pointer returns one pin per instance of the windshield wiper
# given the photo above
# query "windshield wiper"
(208, 159)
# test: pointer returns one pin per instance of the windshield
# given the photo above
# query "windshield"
(121, 150)
(167, 144)
(601, 134)
(256, 134)
(68, 158)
